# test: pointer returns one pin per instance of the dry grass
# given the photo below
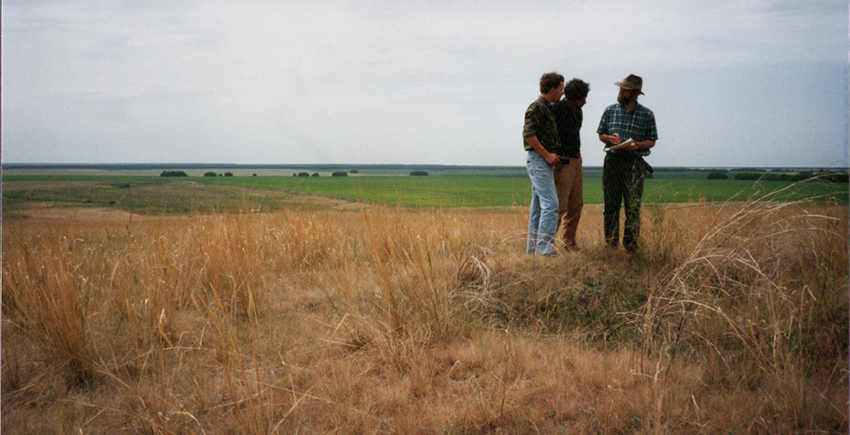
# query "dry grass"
(731, 319)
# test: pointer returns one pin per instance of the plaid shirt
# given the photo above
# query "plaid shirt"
(639, 124)
(540, 122)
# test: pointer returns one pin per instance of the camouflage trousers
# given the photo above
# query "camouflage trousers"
(622, 184)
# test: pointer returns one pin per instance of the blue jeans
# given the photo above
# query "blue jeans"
(543, 215)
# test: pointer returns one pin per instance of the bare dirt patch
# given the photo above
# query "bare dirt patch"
(47, 210)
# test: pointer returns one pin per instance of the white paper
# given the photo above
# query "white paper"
(620, 146)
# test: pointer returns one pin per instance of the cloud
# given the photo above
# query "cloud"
(377, 81)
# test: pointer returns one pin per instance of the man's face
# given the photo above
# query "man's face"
(555, 93)
(576, 104)
(626, 96)
(581, 102)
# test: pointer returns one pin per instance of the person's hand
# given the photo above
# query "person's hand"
(614, 138)
(553, 160)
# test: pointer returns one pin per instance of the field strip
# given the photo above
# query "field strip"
(47, 210)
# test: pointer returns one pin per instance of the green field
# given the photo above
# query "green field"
(484, 191)
(155, 194)
(443, 191)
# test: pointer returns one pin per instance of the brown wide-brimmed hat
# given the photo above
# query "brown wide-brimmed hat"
(632, 83)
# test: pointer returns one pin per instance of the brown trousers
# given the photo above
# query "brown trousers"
(568, 184)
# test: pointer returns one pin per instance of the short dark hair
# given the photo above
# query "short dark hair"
(576, 89)
(550, 81)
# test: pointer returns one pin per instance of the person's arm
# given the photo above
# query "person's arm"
(550, 158)
(649, 132)
(644, 144)
(615, 139)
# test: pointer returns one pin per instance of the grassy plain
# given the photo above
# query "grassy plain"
(470, 191)
(263, 309)
(148, 194)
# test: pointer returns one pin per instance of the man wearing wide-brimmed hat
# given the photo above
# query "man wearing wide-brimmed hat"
(624, 168)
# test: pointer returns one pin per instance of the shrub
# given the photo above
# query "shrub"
(418, 173)
(210, 174)
(748, 176)
(837, 177)
(340, 174)
(718, 175)
(173, 174)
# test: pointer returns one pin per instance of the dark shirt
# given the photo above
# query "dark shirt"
(569, 123)
(539, 122)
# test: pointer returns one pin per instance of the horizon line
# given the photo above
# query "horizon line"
(150, 165)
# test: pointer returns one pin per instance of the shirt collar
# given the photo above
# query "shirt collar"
(623, 108)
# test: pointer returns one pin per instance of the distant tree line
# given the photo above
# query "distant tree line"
(834, 177)
(173, 174)
(316, 174)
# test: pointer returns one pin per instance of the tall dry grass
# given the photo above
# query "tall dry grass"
(731, 319)
(753, 302)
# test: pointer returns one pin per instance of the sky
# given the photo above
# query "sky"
(745, 83)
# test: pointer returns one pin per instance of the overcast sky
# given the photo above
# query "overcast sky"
(732, 83)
